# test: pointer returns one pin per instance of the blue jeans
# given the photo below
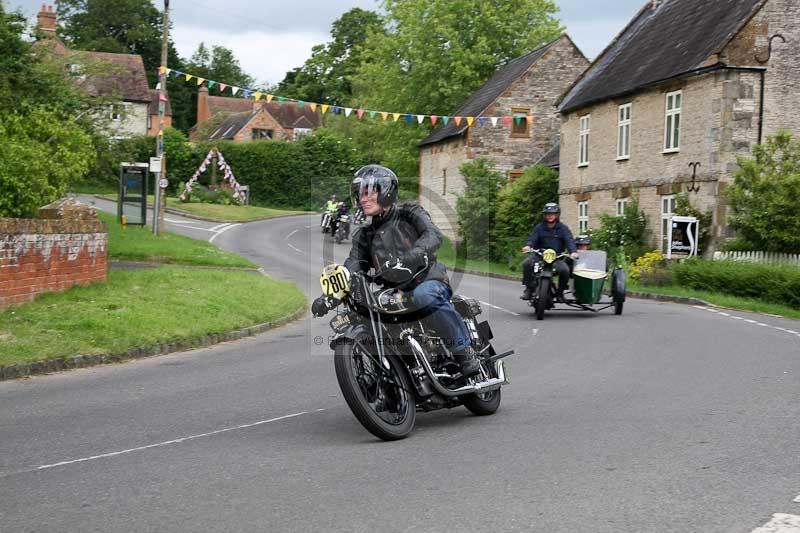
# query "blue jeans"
(433, 297)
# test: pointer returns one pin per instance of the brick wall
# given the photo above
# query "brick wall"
(65, 246)
(263, 120)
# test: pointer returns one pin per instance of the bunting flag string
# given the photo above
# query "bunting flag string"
(512, 121)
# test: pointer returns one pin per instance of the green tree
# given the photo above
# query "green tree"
(622, 237)
(435, 53)
(476, 208)
(764, 193)
(219, 64)
(326, 76)
(519, 206)
(41, 154)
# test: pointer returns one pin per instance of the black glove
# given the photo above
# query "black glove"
(320, 306)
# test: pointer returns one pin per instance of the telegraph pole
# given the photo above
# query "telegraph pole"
(161, 177)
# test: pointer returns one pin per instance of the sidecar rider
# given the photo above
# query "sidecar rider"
(551, 233)
(405, 236)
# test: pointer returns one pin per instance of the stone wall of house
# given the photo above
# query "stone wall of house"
(718, 123)
(537, 91)
(441, 182)
(262, 120)
(133, 122)
(65, 246)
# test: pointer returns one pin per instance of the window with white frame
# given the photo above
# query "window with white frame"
(624, 132)
(116, 111)
(583, 157)
(583, 217)
(622, 205)
(672, 122)
(667, 211)
(299, 133)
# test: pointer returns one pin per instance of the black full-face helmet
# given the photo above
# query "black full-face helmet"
(583, 240)
(372, 178)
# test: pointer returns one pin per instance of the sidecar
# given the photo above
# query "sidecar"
(589, 277)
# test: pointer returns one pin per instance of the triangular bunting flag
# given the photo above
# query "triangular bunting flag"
(408, 118)
(445, 120)
(257, 95)
(396, 116)
(189, 77)
(211, 84)
(384, 115)
(372, 114)
(494, 121)
(347, 111)
(269, 98)
(200, 81)
(313, 107)
(162, 70)
(246, 93)
(324, 108)
(337, 110)
(434, 119)
(420, 118)
(506, 120)
(458, 121)
(222, 87)
(470, 120)
(360, 113)
(482, 120)
(300, 104)
(281, 99)
(517, 120)
(529, 118)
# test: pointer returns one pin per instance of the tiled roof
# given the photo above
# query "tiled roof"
(123, 76)
(486, 94)
(666, 39)
(288, 115)
(231, 126)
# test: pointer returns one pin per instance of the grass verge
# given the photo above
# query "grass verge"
(138, 308)
(136, 243)
(218, 212)
(447, 255)
(722, 300)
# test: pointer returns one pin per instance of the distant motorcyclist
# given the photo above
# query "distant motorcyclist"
(332, 204)
(341, 210)
(553, 234)
(404, 236)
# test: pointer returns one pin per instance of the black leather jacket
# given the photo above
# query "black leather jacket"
(405, 231)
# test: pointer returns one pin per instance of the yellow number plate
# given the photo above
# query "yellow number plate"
(549, 255)
(335, 281)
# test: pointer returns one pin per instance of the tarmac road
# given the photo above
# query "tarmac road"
(669, 418)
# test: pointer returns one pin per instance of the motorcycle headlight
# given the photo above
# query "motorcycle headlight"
(549, 256)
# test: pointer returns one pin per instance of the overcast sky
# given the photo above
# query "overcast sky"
(270, 37)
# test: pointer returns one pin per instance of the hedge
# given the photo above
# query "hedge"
(770, 283)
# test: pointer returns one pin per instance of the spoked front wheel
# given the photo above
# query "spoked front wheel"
(381, 398)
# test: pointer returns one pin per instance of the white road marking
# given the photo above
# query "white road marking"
(174, 441)
(535, 332)
(780, 523)
(223, 230)
(748, 320)
(796, 500)
(294, 248)
(290, 235)
(487, 304)
(178, 221)
(219, 226)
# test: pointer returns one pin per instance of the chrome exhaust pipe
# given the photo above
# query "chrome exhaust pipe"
(482, 386)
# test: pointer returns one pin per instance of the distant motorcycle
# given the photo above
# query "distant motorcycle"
(326, 223)
(390, 363)
(342, 229)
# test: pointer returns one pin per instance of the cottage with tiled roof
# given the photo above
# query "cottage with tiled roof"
(685, 82)
(120, 78)
(527, 86)
(250, 120)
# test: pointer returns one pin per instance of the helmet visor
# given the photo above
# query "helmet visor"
(368, 186)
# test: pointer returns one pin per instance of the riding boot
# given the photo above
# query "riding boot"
(468, 360)
(527, 294)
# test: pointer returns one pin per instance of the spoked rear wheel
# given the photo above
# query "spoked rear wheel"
(381, 398)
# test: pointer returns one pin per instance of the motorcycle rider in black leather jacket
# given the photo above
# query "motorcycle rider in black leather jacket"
(405, 237)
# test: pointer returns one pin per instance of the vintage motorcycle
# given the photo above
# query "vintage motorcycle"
(390, 363)
(342, 229)
(326, 222)
(588, 277)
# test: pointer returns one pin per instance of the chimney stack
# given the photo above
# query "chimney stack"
(46, 21)
(203, 112)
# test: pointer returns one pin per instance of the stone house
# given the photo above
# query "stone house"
(686, 87)
(528, 86)
(118, 78)
(250, 120)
